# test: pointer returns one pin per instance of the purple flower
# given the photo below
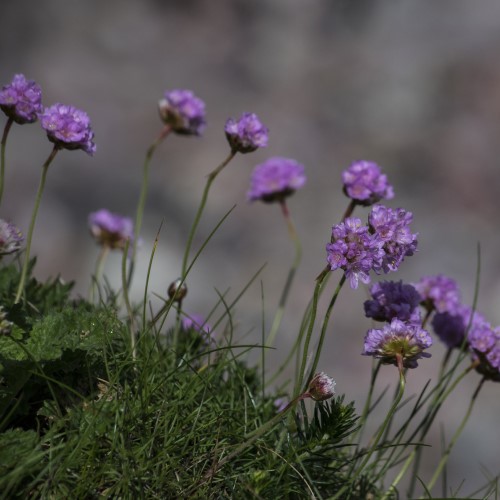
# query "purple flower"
(393, 299)
(183, 111)
(275, 179)
(365, 183)
(397, 343)
(484, 342)
(321, 387)
(21, 100)
(392, 227)
(247, 134)
(197, 323)
(353, 249)
(439, 292)
(68, 128)
(111, 230)
(10, 238)
(280, 404)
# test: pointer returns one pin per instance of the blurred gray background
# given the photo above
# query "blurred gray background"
(414, 86)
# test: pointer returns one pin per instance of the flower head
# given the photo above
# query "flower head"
(439, 292)
(393, 299)
(21, 100)
(198, 323)
(354, 249)
(275, 179)
(247, 134)
(10, 238)
(68, 128)
(484, 342)
(392, 227)
(398, 343)
(321, 387)
(183, 111)
(280, 404)
(365, 183)
(111, 230)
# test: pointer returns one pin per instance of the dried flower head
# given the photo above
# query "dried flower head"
(439, 292)
(111, 230)
(275, 179)
(68, 128)
(246, 134)
(365, 183)
(183, 111)
(21, 100)
(393, 299)
(398, 343)
(11, 238)
(321, 387)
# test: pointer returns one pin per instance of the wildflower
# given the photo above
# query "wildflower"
(393, 299)
(111, 230)
(392, 227)
(177, 289)
(321, 387)
(198, 324)
(439, 292)
(247, 134)
(398, 343)
(280, 404)
(275, 179)
(10, 238)
(484, 342)
(68, 128)
(365, 183)
(183, 111)
(21, 100)
(354, 250)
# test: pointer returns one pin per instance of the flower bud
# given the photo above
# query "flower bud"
(321, 387)
(177, 290)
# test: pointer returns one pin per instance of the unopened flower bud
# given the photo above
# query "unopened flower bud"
(321, 387)
(177, 290)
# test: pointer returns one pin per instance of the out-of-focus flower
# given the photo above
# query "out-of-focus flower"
(177, 290)
(246, 134)
(197, 323)
(365, 183)
(439, 292)
(111, 230)
(68, 128)
(280, 404)
(275, 179)
(183, 111)
(353, 249)
(393, 299)
(11, 238)
(484, 342)
(321, 387)
(392, 227)
(21, 100)
(397, 342)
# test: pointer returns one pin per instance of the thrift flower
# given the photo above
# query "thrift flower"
(275, 179)
(280, 404)
(439, 292)
(354, 249)
(392, 227)
(21, 100)
(111, 230)
(321, 387)
(365, 183)
(398, 343)
(183, 111)
(10, 238)
(393, 299)
(68, 128)
(247, 134)
(484, 342)
(198, 324)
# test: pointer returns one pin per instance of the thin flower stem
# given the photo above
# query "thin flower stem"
(142, 197)
(103, 254)
(210, 179)
(349, 210)
(146, 286)
(6, 129)
(45, 167)
(446, 455)
(324, 327)
(127, 300)
(291, 274)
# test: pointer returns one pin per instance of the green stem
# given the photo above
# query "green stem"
(6, 129)
(142, 197)
(211, 178)
(126, 299)
(146, 286)
(326, 319)
(446, 455)
(45, 167)
(291, 274)
(98, 271)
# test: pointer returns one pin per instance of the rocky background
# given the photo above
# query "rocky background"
(414, 86)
